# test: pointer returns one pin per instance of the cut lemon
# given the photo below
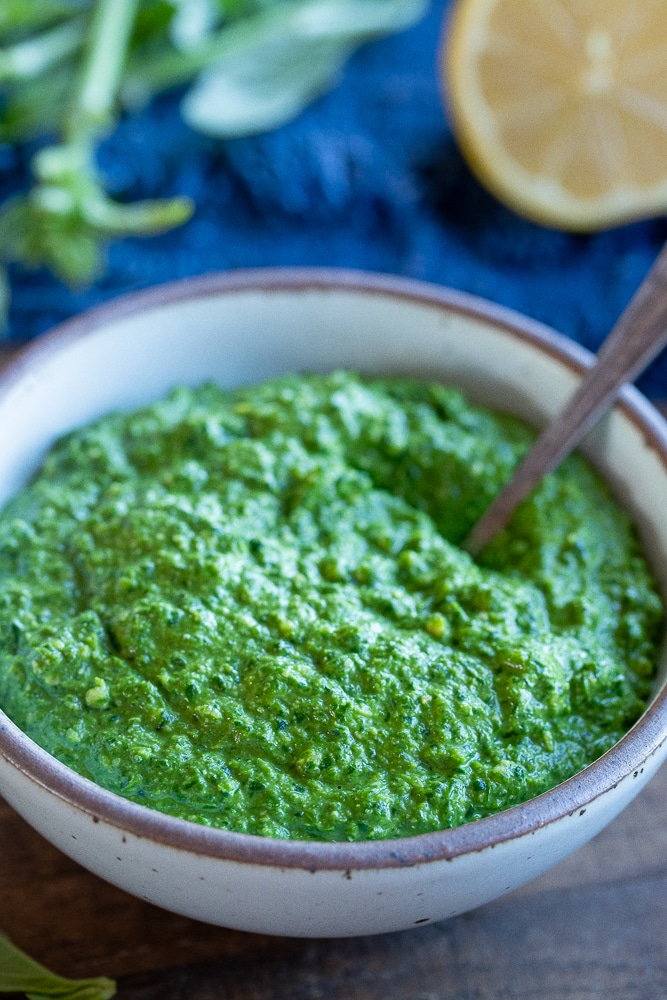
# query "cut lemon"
(560, 106)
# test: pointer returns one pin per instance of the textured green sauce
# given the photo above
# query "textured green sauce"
(249, 610)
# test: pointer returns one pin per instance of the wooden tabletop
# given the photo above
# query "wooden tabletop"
(593, 928)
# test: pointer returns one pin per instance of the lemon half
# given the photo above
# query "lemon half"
(560, 106)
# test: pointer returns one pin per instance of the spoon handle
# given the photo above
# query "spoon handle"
(638, 336)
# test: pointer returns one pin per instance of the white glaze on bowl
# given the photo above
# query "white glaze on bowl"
(243, 328)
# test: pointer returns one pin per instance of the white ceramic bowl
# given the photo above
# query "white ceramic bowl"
(243, 328)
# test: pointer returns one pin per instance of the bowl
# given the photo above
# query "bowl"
(244, 327)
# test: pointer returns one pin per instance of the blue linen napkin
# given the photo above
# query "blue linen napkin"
(368, 177)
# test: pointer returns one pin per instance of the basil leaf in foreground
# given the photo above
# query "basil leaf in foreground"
(278, 61)
(21, 974)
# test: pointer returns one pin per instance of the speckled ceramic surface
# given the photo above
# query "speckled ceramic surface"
(242, 328)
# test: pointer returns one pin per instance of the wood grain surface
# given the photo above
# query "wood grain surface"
(593, 928)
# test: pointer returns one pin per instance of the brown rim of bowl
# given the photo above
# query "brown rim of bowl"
(624, 760)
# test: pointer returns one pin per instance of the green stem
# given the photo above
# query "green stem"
(31, 15)
(139, 218)
(68, 191)
(148, 74)
(92, 110)
(312, 20)
(28, 59)
(152, 73)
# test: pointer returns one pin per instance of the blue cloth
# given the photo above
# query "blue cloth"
(369, 177)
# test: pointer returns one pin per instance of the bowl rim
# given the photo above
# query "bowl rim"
(624, 760)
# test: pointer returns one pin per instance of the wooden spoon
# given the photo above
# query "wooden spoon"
(637, 337)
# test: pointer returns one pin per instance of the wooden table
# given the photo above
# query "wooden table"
(594, 928)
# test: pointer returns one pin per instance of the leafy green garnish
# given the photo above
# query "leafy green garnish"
(277, 62)
(64, 221)
(21, 974)
(68, 67)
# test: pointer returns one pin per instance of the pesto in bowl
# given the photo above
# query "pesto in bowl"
(248, 609)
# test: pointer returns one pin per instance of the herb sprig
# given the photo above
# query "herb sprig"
(68, 68)
(21, 974)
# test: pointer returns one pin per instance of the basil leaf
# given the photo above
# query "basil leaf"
(278, 61)
(192, 21)
(36, 107)
(21, 974)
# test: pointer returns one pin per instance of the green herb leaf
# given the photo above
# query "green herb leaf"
(30, 15)
(36, 107)
(21, 974)
(192, 22)
(35, 55)
(65, 65)
(277, 62)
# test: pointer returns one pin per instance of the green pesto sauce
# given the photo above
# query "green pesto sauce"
(248, 609)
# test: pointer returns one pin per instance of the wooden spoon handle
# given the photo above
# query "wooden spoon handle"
(638, 336)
